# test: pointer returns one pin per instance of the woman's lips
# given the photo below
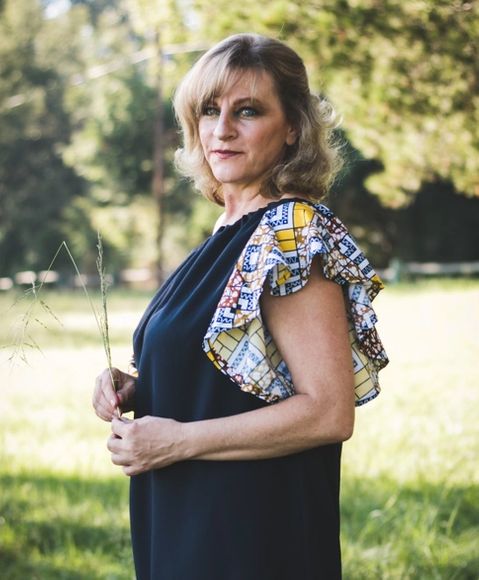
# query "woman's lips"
(225, 153)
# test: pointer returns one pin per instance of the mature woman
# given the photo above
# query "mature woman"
(252, 355)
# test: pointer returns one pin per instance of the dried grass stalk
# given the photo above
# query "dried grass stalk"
(23, 339)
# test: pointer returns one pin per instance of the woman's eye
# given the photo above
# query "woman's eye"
(210, 111)
(248, 112)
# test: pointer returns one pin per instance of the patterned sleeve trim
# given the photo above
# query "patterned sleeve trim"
(281, 250)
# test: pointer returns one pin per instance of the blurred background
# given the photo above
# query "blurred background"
(87, 138)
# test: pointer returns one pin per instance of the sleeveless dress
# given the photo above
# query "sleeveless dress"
(269, 519)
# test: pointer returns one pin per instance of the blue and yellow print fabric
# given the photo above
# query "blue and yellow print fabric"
(281, 250)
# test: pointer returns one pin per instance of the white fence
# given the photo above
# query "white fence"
(144, 277)
(398, 270)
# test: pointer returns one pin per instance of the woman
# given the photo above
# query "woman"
(246, 386)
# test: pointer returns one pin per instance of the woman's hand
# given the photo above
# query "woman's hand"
(144, 444)
(107, 400)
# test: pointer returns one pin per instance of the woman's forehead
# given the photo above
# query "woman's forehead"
(247, 82)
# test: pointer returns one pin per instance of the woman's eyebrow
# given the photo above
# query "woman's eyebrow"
(251, 100)
(240, 101)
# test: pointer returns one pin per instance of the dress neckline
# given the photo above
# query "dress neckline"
(246, 217)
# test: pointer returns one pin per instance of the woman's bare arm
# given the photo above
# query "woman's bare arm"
(311, 331)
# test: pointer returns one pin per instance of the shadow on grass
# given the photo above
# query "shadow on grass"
(414, 530)
(60, 527)
(64, 527)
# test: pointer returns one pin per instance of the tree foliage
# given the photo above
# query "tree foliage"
(79, 95)
(35, 183)
(404, 75)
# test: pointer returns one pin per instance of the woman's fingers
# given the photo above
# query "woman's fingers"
(103, 409)
(108, 386)
(105, 413)
(105, 400)
(114, 445)
(113, 393)
(120, 427)
(103, 388)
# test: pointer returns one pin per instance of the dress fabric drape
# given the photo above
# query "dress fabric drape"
(271, 519)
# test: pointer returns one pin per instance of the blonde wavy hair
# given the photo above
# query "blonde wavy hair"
(309, 166)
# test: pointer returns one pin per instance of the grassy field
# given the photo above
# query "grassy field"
(410, 487)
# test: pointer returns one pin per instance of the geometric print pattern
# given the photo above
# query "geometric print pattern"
(281, 250)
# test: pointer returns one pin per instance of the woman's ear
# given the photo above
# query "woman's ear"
(291, 136)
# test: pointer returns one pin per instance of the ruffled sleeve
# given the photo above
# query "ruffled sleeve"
(281, 250)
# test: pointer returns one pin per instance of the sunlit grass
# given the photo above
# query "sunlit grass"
(410, 477)
(410, 474)
(57, 526)
(76, 326)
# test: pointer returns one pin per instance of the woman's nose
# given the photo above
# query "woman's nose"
(225, 127)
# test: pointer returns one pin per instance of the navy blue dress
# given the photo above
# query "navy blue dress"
(269, 519)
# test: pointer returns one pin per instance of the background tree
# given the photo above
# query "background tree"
(404, 75)
(79, 95)
(114, 145)
(35, 183)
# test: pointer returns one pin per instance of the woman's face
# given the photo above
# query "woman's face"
(244, 131)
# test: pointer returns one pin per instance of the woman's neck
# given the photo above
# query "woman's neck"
(237, 205)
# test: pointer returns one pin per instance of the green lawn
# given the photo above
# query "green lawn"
(410, 493)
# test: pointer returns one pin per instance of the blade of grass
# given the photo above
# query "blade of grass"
(105, 329)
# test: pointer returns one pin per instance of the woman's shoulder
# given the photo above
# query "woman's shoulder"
(286, 199)
(291, 234)
(296, 222)
(300, 211)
